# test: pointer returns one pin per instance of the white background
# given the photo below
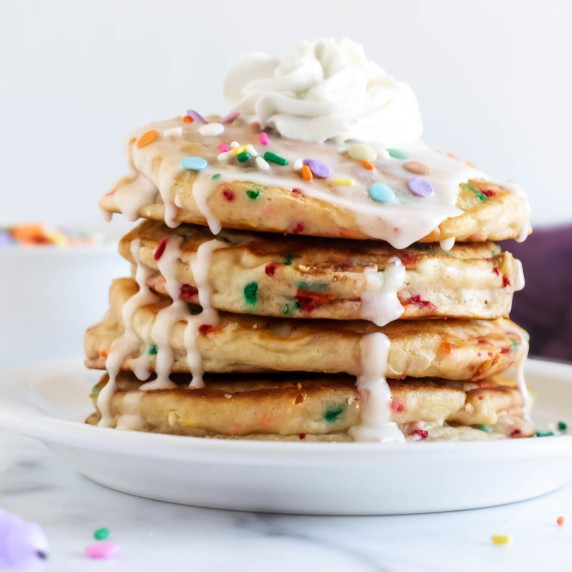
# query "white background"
(492, 77)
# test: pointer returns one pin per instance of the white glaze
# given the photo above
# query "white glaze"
(519, 276)
(379, 303)
(128, 343)
(447, 243)
(138, 192)
(375, 394)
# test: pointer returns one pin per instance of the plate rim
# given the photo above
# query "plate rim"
(54, 431)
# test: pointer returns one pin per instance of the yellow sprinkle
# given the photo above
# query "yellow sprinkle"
(58, 238)
(342, 182)
(500, 539)
(240, 149)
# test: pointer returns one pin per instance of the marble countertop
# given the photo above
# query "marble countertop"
(38, 485)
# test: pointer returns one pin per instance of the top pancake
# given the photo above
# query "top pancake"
(242, 195)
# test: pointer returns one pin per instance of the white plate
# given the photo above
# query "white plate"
(48, 402)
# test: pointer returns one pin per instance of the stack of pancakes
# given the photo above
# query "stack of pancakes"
(297, 291)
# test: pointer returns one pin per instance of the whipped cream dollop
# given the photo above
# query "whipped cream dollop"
(324, 90)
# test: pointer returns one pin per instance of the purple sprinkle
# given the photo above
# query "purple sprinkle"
(230, 117)
(5, 238)
(196, 116)
(318, 168)
(420, 187)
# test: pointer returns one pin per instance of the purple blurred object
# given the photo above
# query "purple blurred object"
(21, 542)
(544, 307)
(6, 239)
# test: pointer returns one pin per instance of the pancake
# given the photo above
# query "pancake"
(301, 407)
(222, 190)
(449, 349)
(300, 277)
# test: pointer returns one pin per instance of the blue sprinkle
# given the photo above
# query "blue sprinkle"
(381, 193)
(194, 163)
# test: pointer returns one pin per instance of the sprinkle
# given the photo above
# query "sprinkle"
(160, 248)
(302, 435)
(262, 164)
(187, 119)
(147, 138)
(263, 138)
(252, 193)
(187, 291)
(381, 193)
(253, 152)
(270, 270)
(361, 152)
(397, 154)
(562, 426)
(420, 187)
(318, 168)
(545, 433)
(223, 147)
(296, 191)
(101, 533)
(332, 415)
(224, 157)
(298, 227)
(342, 182)
(152, 351)
(196, 116)
(230, 117)
(194, 163)
(417, 167)
(239, 149)
(211, 129)
(234, 144)
(215, 176)
(500, 539)
(297, 165)
(102, 550)
(173, 132)
(306, 173)
(228, 194)
(273, 158)
(560, 520)
(288, 260)
(367, 165)
(251, 293)
(243, 157)
(484, 428)
(95, 390)
(206, 329)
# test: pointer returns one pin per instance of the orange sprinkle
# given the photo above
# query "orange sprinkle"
(367, 165)
(560, 520)
(187, 119)
(306, 173)
(147, 138)
(30, 233)
(103, 353)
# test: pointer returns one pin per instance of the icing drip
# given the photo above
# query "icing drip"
(129, 342)
(200, 264)
(132, 420)
(519, 278)
(137, 193)
(519, 370)
(167, 318)
(375, 394)
(448, 243)
(202, 190)
(380, 303)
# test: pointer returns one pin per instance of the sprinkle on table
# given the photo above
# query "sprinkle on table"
(263, 138)
(501, 539)
(420, 187)
(560, 520)
(277, 159)
(194, 163)
(381, 193)
(562, 426)
(196, 116)
(318, 168)
(101, 533)
(397, 154)
(545, 433)
(147, 138)
(102, 550)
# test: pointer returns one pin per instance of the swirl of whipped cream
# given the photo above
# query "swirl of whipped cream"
(324, 90)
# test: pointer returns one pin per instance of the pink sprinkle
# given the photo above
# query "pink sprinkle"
(223, 148)
(228, 194)
(102, 550)
(263, 138)
(196, 116)
(230, 117)
(298, 227)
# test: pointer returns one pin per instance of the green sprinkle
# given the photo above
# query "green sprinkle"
(152, 350)
(397, 154)
(196, 310)
(252, 193)
(251, 293)
(332, 414)
(514, 345)
(243, 157)
(562, 426)
(290, 308)
(288, 260)
(95, 390)
(101, 533)
(481, 197)
(545, 433)
(216, 176)
(471, 188)
(314, 287)
(484, 428)
(273, 158)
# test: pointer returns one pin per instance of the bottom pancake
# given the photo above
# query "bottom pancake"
(315, 408)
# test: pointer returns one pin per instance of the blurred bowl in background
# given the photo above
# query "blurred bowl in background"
(50, 295)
